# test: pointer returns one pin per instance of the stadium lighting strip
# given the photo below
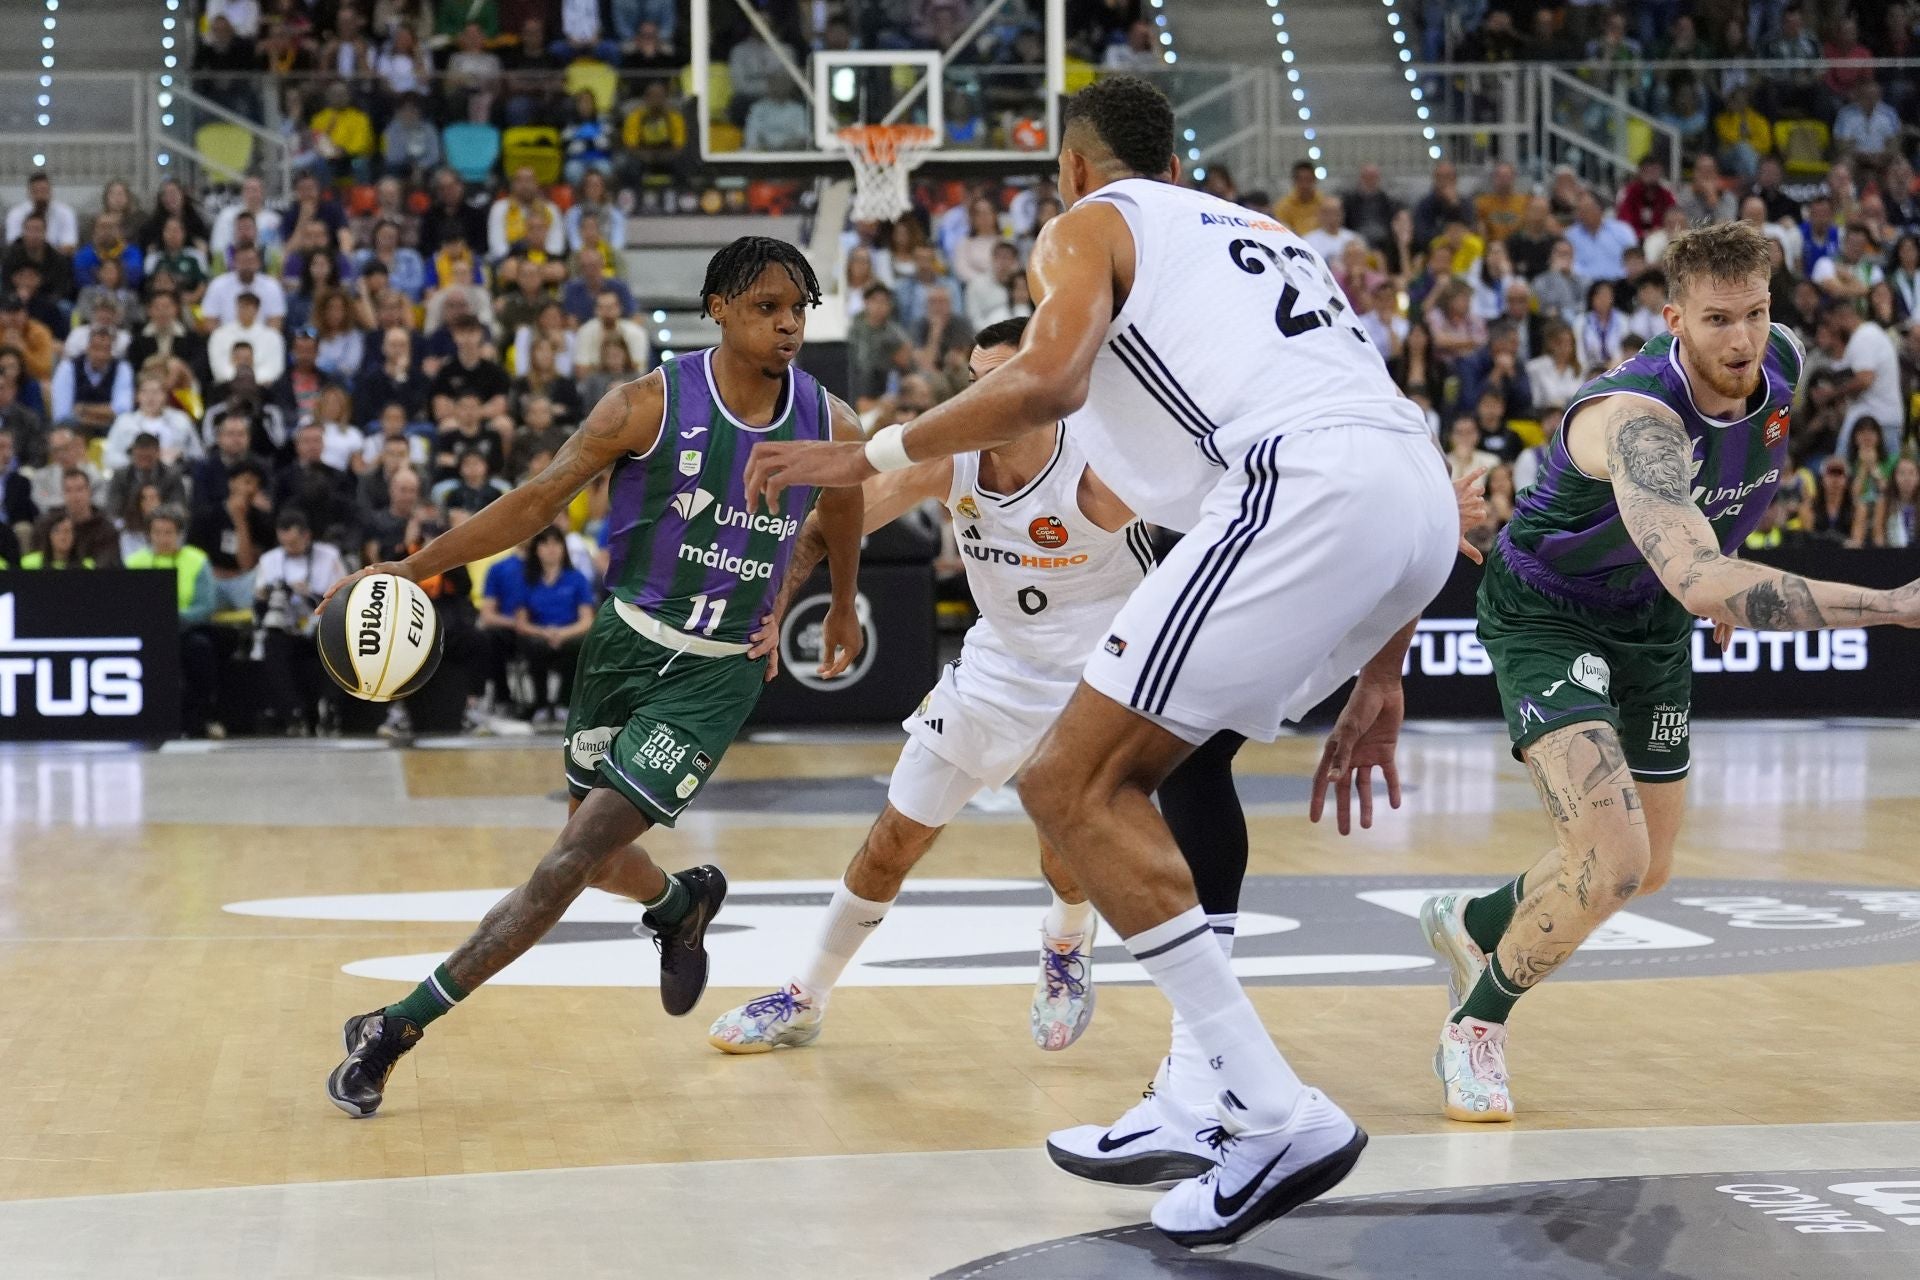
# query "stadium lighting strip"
(44, 117)
(1285, 41)
(169, 59)
(662, 335)
(1413, 79)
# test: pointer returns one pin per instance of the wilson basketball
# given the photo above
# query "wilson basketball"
(380, 639)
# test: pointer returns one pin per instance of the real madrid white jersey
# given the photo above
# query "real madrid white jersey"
(1234, 332)
(1045, 578)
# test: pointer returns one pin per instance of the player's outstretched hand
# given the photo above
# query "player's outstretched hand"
(1472, 497)
(393, 567)
(1363, 739)
(822, 464)
(765, 643)
(841, 640)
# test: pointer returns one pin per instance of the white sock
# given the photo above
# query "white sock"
(1187, 1072)
(1067, 919)
(849, 919)
(1185, 962)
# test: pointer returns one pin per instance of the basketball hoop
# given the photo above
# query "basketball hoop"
(884, 157)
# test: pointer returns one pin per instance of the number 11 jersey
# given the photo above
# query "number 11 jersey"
(1234, 332)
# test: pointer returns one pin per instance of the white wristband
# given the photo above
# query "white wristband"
(887, 451)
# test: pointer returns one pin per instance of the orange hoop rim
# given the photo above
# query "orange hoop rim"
(882, 143)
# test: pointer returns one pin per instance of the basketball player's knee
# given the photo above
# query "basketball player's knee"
(1051, 787)
(1623, 865)
(1659, 871)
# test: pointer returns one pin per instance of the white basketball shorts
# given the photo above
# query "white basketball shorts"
(973, 731)
(1309, 554)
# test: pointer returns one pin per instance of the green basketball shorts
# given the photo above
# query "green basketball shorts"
(653, 722)
(1559, 664)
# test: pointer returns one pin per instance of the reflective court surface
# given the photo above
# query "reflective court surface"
(1719, 1085)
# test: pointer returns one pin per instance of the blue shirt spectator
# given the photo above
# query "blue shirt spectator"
(1600, 241)
(556, 603)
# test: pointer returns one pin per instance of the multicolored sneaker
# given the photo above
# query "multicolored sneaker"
(1444, 922)
(1472, 1065)
(1063, 993)
(1158, 1143)
(786, 1019)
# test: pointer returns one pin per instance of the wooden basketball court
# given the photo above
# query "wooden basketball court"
(182, 933)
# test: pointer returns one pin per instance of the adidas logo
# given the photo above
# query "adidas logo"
(935, 723)
(690, 504)
(972, 533)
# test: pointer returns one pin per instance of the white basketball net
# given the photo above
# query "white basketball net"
(884, 157)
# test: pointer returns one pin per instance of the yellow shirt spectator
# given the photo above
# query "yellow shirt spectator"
(1748, 126)
(654, 128)
(1499, 215)
(347, 128)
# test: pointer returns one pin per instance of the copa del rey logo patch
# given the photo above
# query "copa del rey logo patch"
(1590, 671)
(1776, 427)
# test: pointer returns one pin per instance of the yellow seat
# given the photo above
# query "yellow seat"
(537, 146)
(719, 94)
(226, 150)
(723, 135)
(1080, 73)
(1639, 139)
(597, 78)
(1802, 147)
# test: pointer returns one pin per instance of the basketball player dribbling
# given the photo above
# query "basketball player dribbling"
(1223, 390)
(1665, 465)
(665, 678)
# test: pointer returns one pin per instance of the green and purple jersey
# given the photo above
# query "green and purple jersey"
(1567, 538)
(682, 544)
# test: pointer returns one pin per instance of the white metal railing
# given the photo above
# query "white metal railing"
(1589, 128)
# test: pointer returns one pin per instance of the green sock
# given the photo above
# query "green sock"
(672, 905)
(435, 996)
(1492, 998)
(1487, 918)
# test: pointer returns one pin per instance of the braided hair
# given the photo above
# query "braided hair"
(732, 271)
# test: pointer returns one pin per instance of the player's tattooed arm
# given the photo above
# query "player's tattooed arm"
(1650, 461)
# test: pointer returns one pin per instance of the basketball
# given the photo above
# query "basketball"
(380, 639)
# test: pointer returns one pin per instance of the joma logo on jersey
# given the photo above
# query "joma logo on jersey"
(1706, 498)
(718, 557)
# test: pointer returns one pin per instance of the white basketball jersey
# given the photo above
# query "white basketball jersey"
(1234, 331)
(1046, 579)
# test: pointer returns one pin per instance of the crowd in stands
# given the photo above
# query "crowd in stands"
(358, 90)
(261, 394)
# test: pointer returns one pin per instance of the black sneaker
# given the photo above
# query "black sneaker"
(375, 1042)
(683, 944)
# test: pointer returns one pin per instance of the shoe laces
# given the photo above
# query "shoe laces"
(1487, 1061)
(380, 1053)
(782, 1004)
(1217, 1137)
(1066, 972)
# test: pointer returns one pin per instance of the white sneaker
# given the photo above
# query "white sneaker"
(1444, 922)
(1472, 1065)
(784, 1019)
(1063, 993)
(1157, 1143)
(1262, 1174)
